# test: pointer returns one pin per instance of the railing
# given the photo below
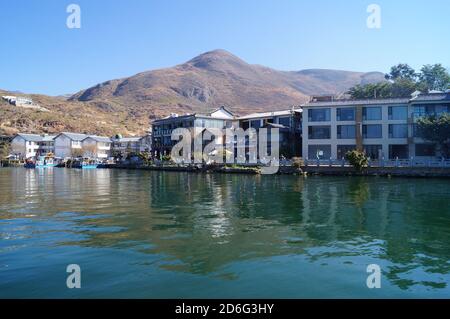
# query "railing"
(383, 163)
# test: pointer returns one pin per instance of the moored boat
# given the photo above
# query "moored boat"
(29, 164)
(86, 163)
(46, 161)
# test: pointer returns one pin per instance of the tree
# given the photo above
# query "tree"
(402, 71)
(436, 129)
(4, 150)
(434, 77)
(77, 152)
(403, 81)
(89, 150)
(384, 90)
(371, 91)
(404, 87)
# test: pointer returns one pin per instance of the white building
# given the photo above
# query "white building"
(69, 144)
(32, 145)
(96, 147)
(383, 128)
(76, 145)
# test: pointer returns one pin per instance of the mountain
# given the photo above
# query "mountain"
(59, 114)
(219, 78)
(208, 81)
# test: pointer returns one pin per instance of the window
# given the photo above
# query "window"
(441, 108)
(343, 149)
(398, 151)
(285, 121)
(373, 151)
(345, 114)
(346, 131)
(319, 151)
(417, 131)
(255, 123)
(425, 150)
(424, 110)
(319, 115)
(372, 113)
(319, 132)
(372, 131)
(398, 112)
(435, 109)
(398, 130)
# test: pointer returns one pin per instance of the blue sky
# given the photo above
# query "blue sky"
(39, 54)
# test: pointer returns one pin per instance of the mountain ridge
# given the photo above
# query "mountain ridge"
(220, 77)
(216, 78)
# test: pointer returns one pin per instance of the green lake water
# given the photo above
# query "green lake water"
(141, 234)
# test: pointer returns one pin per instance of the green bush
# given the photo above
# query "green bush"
(357, 159)
(166, 158)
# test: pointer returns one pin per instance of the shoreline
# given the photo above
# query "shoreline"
(414, 172)
(426, 172)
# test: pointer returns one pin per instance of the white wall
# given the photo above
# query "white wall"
(221, 114)
(96, 149)
(63, 147)
(18, 146)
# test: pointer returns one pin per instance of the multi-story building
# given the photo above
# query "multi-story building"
(96, 147)
(383, 128)
(131, 145)
(289, 124)
(162, 128)
(77, 144)
(32, 145)
(69, 144)
(426, 105)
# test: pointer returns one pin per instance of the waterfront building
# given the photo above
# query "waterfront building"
(146, 143)
(69, 145)
(32, 145)
(125, 146)
(289, 124)
(383, 128)
(162, 128)
(96, 147)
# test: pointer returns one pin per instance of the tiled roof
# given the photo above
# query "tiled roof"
(128, 139)
(75, 136)
(101, 139)
(31, 137)
(48, 138)
(268, 114)
(445, 97)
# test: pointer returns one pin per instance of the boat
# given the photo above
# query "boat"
(29, 164)
(46, 161)
(86, 163)
(89, 165)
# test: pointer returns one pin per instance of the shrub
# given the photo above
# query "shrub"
(357, 159)
(166, 158)
(298, 162)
